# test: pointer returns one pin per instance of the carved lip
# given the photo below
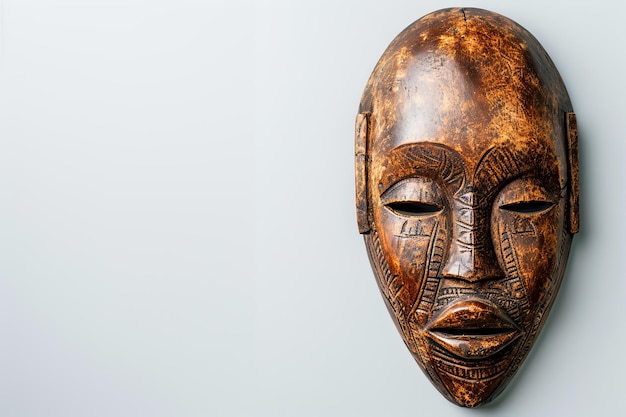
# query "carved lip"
(473, 329)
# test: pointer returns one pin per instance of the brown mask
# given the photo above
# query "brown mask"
(467, 194)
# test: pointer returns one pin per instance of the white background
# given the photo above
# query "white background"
(177, 227)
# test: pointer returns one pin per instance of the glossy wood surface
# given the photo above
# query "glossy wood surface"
(467, 194)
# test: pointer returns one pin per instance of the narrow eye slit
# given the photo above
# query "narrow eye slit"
(413, 208)
(528, 207)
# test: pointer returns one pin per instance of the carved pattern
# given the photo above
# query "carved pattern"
(545, 304)
(428, 158)
(426, 296)
(385, 282)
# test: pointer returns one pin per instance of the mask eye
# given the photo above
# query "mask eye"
(528, 207)
(413, 208)
(414, 197)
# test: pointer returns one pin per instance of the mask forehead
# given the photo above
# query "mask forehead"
(464, 80)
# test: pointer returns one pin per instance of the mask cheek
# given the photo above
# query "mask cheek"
(413, 248)
(526, 247)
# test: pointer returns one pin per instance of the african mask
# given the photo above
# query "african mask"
(467, 194)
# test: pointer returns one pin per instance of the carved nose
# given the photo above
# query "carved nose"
(472, 263)
(471, 256)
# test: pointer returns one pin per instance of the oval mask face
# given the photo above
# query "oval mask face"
(467, 194)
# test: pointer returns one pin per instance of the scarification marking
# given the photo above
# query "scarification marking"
(481, 370)
(385, 281)
(430, 159)
(427, 298)
(543, 306)
(513, 283)
(431, 244)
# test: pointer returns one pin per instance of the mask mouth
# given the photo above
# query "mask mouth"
(472, 329)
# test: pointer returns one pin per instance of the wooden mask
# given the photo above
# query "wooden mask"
(467, 194)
